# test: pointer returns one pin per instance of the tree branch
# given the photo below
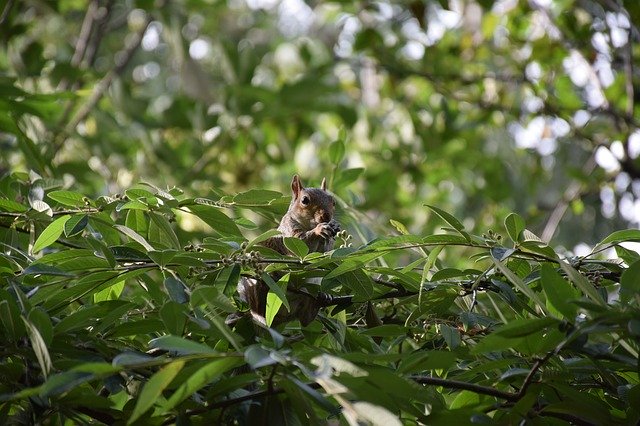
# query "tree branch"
(85, 33)
(94, 43)
(122, 60)
(455, 384)
(5, 11)
(572, 192)
(536, 366)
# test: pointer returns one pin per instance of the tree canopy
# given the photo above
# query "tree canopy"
(484, 156)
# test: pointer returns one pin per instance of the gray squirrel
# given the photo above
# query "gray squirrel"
(310, 217)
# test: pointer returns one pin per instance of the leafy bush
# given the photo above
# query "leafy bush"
(113, 310)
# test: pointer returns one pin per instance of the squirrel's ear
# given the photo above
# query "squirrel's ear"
(296, 186)
(323, 185)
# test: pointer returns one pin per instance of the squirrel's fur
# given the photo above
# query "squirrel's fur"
(310, 217)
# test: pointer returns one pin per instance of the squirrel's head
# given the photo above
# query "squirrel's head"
(311, 205)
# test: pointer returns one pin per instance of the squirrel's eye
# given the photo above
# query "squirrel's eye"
(334, 203)
(304, 200)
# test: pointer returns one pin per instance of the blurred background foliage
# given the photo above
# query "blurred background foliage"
(478, 107)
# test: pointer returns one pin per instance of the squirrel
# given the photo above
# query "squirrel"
(310, 217)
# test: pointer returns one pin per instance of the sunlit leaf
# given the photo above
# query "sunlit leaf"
(452, 221)
(201, 378)
(515, 225)
(67, 198)
(51, 233)
(153, 389)
(630, 282)
(134, 236)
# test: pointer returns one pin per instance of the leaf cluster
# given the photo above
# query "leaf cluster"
(113, 313)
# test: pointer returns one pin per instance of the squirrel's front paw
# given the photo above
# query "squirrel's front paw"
(326, 230)
(335, 227)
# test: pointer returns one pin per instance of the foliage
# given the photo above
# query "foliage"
(118, 300)
(107, 317)
(481, 108)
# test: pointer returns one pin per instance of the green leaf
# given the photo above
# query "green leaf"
(166, 233)
(176, 289)
(336, 152)
(256, 197)
(202, 377)
(630, 282)
(447, 273)
(621, 236)
(450, 335)
(134, 236)
(217, 220)
(386, 243)
(296, 246)
(520, 284)
(452, 221)
(163, 257)
(501, 253)
(129, 254)
(64, 382)
(582, 283)
(180, 345)
(137, 221)
(67, 198)
(41, 320)
(75, 224)
(465, 399)
(228, 334)
(132, 205)
(352, 264)
(112, 292)
(420, 361)
(153, 389)
(515, 225)
(399, 227)
(40, 269)
(345, 177)
(559, 292)
(359, 282)
(12, 206)
(375, 415)
(50, 234)
(276, 289)
(174, 317)
(387, 330)
(213, 298)
(136, 193)
(39, 347)
(257, 357)
(273, 305)
(444, 239)
(263, 237)
(523, 327)
(316, 396)
(84, 317)
(11, 319)
(132, 358)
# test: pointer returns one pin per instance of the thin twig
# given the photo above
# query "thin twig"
(101, 87)
(59, 241)
(96, 40)
(389, 284)
(54, 213)
(572, 192)
(85, 33)
(572, 419)
(455, 384)
(628, 68)
(536, 366)
(6, 10)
